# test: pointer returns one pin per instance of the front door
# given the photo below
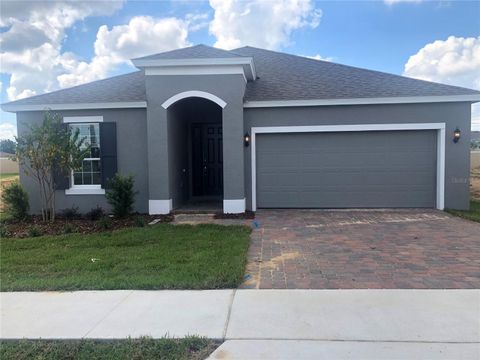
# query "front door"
(207, 164)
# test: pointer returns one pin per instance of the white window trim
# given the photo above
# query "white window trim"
(82, 119)
(194, 93)
(439, 127)
(83, 189)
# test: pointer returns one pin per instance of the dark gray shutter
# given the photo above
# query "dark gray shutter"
(108, 151)
(62, 180)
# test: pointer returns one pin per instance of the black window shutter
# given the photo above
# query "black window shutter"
(108, 152)
(62, 179)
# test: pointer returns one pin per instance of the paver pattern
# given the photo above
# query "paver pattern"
(359, 249)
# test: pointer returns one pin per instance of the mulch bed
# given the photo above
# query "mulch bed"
(24, 228)
(247, 215)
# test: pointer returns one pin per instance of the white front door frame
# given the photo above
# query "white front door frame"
(439, 127)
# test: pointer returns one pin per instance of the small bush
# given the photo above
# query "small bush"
(121, 195)
(139, 222)
(105, 223)
(34, 232)
(70, 213)
(15, 199)
(68, 228)
(95, 213)
(3, 231)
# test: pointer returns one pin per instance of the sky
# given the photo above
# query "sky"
(50, 45)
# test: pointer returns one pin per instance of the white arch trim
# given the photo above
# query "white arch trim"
(194, 93)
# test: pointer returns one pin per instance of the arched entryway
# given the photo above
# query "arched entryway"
(195, 151)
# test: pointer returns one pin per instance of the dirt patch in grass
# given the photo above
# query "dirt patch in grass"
(24, 228)
(193, 348)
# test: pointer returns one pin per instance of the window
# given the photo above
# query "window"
(89, 175)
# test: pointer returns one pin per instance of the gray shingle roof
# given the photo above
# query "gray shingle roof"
(280, 77)
(122, 88)
(290, 77)
(193, 52)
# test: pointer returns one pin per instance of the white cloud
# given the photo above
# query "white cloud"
(318, 57)
(265, 24)
(31, 47)
(143, 35)
(7, 131)
(455, 61)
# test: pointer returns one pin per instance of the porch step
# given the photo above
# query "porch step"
(194, 218)
(195, 212)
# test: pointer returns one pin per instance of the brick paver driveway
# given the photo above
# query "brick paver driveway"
(322, 249)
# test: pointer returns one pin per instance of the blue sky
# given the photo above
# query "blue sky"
(49, 46)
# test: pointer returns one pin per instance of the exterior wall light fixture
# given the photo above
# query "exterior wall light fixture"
(246, 139)
(456, 135)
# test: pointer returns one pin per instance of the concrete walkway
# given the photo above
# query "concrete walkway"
(264, 324)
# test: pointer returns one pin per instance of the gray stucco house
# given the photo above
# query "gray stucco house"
(252, 128)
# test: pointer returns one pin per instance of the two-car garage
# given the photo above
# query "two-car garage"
(322, 168)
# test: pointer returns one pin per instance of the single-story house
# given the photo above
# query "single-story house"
(252, 128)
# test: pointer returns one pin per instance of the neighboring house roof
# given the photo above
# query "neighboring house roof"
(475, 135)
(280, 77)
(6, 155)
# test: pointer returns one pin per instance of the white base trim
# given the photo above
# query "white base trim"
(234, 206)
(363, 101)
(440, 127)
(159, 207)
(84, 191)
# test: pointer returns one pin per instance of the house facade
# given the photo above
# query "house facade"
(251, 128)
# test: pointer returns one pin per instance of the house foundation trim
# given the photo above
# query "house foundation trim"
(235, 206)
(159, 207)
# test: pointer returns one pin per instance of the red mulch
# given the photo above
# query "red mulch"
(22, 228)
(245, 215)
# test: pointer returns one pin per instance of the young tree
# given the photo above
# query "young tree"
(8, 146)
(49, 150)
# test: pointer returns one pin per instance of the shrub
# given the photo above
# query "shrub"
(139, 222)
(68, 228)
(95, 213)
(15, 199)
(105, 223)
(70, 213)
(34, 232)
(3, 231)
(121, 195)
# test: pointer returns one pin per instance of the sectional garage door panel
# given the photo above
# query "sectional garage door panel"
(346, 169)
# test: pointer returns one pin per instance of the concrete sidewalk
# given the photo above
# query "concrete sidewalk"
(260, 323)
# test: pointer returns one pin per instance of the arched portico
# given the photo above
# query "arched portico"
(194, 93)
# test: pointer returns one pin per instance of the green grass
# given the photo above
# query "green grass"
(156, 257)
(8, 175)
(472, 214)
(193, 348)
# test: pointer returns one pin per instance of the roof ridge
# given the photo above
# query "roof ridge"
(358, 68)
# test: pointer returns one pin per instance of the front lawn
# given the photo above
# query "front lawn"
(161, 256)
(472, 214)
(166, 349)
